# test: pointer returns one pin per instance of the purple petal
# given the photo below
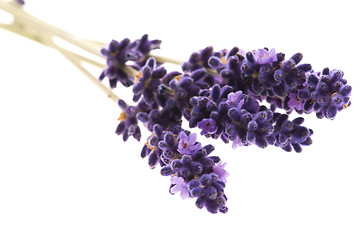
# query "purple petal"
(204, 131)
(240, 104)
(184, 193)
(221, 172)
(198, 145)
(182, 135)
(175, 189)
(192, 138)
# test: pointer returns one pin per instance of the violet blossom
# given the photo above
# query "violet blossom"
(179, 186)
(263, 56)
(208, 126)
(187, 144)
(235, 99)
(221, 172)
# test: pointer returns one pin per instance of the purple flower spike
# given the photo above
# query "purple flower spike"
(263, 56)
(208, 126)
(235, 99)
(179, 186)
(187, 144)
(221, 172)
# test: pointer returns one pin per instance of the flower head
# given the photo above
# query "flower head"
(179, 185)
(125, 57)
(235, 99)
(263, 56)
(208, 126)
(187, 144)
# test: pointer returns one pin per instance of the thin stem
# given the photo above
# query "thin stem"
(33, 28)
(24, 22)
(73, 58)
(27, 20)
(163, 59)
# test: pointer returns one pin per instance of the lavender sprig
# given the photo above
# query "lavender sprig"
(193, 172)
(219, 92)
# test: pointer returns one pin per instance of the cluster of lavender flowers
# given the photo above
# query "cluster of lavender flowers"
(221, 94)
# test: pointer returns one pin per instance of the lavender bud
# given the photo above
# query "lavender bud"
(144, 152)
(122, 104)
(215, 93)
(288, 65)
(143, 117)
(297, 147)
(120, 128)
(225, 90)
(209, 148)
(176, 164)
(300, 134)
(166, 171)
(346, 90)
(331, 112)
(200, 202)
(169, 139)
(215, 159)
(163, 145)
(185, 82)
(337, 100)
(205, 179)
(252, 126)
(194, 183)
(297, 57)
(298, 121)
(250, 57)
(305, 67)
(185, 172)
(214, 62)
(198, 74)
(152, 159)
(210, 192)
(196, 192)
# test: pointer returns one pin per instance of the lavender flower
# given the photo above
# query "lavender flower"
(128, 125)
(208, 126)
(149, 81)
(295, 102)
(221, 172)
(120, 54)
(179, 185)
(263, 56)
(235, 99)
(187, 143)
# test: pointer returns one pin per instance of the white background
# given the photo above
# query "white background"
(64, 174)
